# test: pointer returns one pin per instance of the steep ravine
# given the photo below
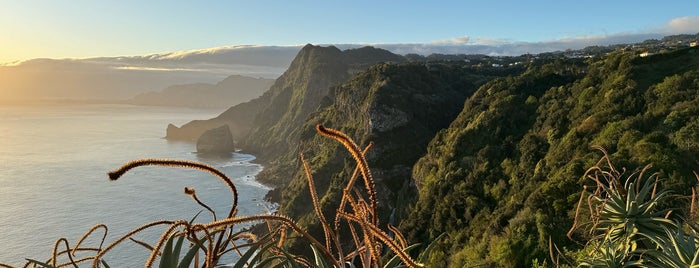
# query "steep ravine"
(399, 107)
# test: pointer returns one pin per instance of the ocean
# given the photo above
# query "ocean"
(53, 182)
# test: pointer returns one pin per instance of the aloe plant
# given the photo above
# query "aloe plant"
(632, 212)
(675, 249)
(610, 254)
(629, 225)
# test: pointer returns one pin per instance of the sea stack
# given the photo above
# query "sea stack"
(216, 141)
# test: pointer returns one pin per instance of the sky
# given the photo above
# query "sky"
(87, 28)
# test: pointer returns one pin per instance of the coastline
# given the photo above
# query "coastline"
(252, 179)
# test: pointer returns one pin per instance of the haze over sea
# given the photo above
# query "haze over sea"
(53, 182)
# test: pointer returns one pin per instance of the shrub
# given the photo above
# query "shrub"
(629, 221)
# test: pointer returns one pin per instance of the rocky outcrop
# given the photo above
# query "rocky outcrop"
(171, 129)
(386, 118)
(216, 141)
(191, 131)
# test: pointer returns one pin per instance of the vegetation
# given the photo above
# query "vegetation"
(631, 221)
(501, 181)
(399, 107)
(511, 119)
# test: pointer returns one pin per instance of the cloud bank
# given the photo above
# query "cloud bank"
(681, 25)
(506, 47)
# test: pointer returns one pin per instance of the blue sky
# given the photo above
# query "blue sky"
(88, 28)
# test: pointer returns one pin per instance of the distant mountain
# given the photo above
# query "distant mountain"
(120, 78)
(231, 91)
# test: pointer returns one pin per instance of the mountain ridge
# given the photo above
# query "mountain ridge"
(232, 90)
(122, 77)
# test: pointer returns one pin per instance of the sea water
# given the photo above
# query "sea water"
(53, 182)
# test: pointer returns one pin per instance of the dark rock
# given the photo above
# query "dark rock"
(171, 129)
(216, 141)
(193, 130)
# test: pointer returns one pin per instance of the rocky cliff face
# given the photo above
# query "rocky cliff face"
(300, 91)
(267, 126)
(399, 107)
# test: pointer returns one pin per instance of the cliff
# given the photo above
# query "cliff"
(264, 125)
(300, 92)
(399, 107)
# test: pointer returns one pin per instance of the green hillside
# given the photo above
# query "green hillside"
(488, 151)
(506, 175)
(398, 107)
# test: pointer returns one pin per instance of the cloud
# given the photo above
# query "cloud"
(272, 56)
(138, 68)
(467, 40)
(682, 25)
(508, 47)
(492, 41)
(453, 41)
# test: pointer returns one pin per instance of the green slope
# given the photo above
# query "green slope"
(505, 176)
(399, 107)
